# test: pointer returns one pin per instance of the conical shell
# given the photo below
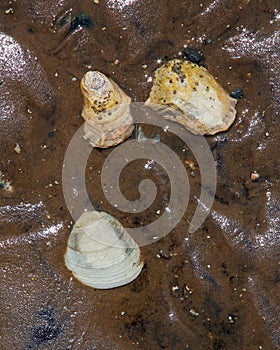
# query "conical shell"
(100, 253)
(106, 111)
(188, 94)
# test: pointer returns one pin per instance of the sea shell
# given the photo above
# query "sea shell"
(186, 93)
(100, 253)
(106, 111)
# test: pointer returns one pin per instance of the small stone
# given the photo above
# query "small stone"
(232, 318)
(9, 11)
(193, 313)
(190, 164)
(96, 1)
(188, 289)
(237, 93)
(17, 148)
(254, 176)
(192, 55)
(164, 255)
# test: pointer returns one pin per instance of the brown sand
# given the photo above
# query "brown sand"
(217, 290)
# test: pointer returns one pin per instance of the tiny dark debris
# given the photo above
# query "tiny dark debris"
(218, 344)
(232, 318)
(46, 330)
(79, 21)
(192, 55)
(47, 314)
(45, 333)
(28, 228)
(136, 326)
(218, 143)
(237, 93)
(276, 278)
(82, 20)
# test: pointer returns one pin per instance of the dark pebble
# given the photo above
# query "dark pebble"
(192, 55)
(237, 93)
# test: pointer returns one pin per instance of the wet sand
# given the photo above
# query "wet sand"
(217, 288)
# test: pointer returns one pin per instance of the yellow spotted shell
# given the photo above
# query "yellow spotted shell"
(106, 111)
(186, 93)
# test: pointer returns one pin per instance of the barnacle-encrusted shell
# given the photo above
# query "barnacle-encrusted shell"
(106, 111)
(100, 253)
(188, 94)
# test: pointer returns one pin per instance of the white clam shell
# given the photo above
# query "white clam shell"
(106, 111)
(188, 94)
(100, 253)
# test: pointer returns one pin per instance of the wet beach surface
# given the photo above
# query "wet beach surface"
(217, 288)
